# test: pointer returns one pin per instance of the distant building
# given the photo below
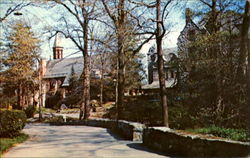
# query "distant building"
(169, 56)
(189, 34)
(56, 72)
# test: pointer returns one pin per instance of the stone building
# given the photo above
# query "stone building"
(169, 56)
(56, 72)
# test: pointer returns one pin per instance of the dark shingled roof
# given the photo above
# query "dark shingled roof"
(62, 68)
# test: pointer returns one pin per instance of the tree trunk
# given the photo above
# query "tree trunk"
(247, 41)
(161, 65)
(121, 62)
(101, 86)
(86, 70)
(243, 45)
(19, 95)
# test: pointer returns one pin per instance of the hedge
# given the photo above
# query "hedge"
(11, 122)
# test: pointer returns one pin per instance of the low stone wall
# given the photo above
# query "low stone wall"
(184, 144)
(129, 130)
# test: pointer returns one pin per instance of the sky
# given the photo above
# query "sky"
(39, 18)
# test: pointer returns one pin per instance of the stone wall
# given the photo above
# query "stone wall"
(185, 144)
(129, 130)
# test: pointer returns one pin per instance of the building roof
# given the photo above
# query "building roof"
(155, 84)
(62, 68)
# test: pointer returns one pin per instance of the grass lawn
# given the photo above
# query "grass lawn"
(229, 133)
(7, 143)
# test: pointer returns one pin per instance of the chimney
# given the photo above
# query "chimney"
(43, 64)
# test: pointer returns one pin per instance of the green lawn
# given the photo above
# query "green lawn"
(229, 133)
(7, 143)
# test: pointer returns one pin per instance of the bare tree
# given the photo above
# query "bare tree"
(162, 10)
(119, 16)
(160, 32)
(83, 12)
(13, 8)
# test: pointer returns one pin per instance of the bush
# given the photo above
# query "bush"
(11, 122)
(230, 133)
(30, 111)
(5, 102)
(72, 100)
(57, 119)
(53, 101)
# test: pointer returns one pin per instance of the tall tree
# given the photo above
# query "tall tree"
(122, 19)
(160, 32)
(22, 55)
(77, 29)
(245, 39)
(213, 60)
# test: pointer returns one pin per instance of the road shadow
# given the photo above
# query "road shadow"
(140, 146)
(114, 135)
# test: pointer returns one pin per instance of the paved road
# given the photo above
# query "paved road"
(76, 141)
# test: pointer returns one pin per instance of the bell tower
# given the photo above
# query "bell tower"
(57, 48)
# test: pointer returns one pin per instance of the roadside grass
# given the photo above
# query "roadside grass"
(46, 110)
(7, 143)
(229, 133)
(68, 111)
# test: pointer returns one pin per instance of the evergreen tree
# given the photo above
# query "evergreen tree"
(22, 54)
(72, 80)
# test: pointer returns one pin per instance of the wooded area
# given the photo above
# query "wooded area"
(213, 74)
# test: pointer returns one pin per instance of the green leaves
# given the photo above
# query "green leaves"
(230, 133)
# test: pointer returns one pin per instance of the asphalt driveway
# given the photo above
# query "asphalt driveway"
(76, 141)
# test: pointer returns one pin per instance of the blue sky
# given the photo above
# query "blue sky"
(39, 18)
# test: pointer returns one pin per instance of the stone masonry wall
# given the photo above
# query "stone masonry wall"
(182, 144)
(129, 130)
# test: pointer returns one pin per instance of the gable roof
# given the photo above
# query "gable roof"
(62, 68)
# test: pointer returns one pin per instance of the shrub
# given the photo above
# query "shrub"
(30, 111)
(53, 101)
(57, 119)
(5, 102)
(11, 122)
(72, 100)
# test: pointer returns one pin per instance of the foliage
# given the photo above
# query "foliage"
(108, 89)
(135, 72)
(147, 110)
(211, 87)
(21, 53)
(30, 111)
(72, 80)
(59, 119)
(7, 143)
(72, 100)
(53, 101)
(6, 102)
(54, 119)
(11, 122)
(230, 133)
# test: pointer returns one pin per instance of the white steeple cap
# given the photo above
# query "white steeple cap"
(58, 41)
